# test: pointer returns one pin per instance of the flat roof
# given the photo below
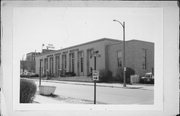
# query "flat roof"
(133, 40)
(90, 42)
(136, 40)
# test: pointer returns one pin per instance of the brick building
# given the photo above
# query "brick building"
(29, 63)
(80, 59)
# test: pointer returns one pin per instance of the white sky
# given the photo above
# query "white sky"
(67, 26)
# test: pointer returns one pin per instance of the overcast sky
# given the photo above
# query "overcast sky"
(67, 26)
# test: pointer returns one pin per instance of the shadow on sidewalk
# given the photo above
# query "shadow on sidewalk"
(133, 87)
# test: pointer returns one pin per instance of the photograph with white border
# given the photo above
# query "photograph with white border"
(92, 58)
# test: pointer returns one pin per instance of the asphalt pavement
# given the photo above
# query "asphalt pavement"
(107, 93)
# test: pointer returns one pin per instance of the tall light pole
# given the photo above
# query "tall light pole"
(95, 57)
(40, 70)
(124, 61)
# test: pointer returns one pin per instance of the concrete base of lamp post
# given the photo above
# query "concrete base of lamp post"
(46, 90)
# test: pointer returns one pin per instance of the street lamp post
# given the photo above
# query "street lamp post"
(95, 80)
(124, 58)
(40, 70)
(95, 58)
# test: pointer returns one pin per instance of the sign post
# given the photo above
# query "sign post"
(94, 91)
(95, 78)
(95, 74)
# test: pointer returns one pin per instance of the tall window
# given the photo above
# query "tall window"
(64, 61)
(91, 53)
(119, 58)
(81, 55)
(144, 64)
(45, 65)
(51, 65)
(89, 57)
(57, 65)
(41, 67)
(71, 62)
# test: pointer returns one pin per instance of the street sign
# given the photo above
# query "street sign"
(95, 75)
(124, 68)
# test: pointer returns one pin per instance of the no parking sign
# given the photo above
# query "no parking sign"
(95, 75)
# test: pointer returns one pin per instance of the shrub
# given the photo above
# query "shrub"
(70, 74)
(105, 75)
(48, 75)
(119, 74)
(35, 75)
(27, 91)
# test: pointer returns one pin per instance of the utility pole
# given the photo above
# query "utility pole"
(97, 75)
(40, 70)
(124, 55)
(95, 80)
(124, 58)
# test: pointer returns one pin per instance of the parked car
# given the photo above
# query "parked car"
(33, 74)
(29, 74)
(148, 78)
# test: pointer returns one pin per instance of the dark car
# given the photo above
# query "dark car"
(147, 79)
(29, 74)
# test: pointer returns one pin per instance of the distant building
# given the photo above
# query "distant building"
(28, 65)
(80, 59)
(31, 56)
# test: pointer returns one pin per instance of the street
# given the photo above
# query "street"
(69, 92)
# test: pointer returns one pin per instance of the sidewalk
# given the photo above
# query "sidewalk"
(113, 85)
(60, 100)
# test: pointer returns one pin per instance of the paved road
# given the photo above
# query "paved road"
(105, 95)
